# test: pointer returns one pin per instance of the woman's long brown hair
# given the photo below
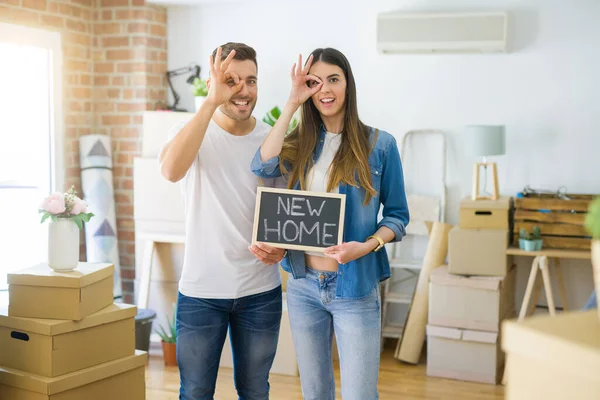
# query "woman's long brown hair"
(351, 159)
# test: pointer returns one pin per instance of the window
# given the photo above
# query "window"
(30, 141)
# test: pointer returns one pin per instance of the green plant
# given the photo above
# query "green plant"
(199, 87)
(592, 219)
(535, 235)
(169, 335)
(272, 116)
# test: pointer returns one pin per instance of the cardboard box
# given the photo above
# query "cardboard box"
(51, 347)
(553, 358)
(485, 214)
(478, 252)
(464, 354)
(476, 302)
(122, 379)
(40, 292)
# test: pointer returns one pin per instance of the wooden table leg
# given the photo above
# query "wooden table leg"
(529, 289)
(561, 284)
(536, 296)
(547, 285)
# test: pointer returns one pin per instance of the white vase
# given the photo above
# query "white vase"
(198, 100)
(596, 267)
(63, 245)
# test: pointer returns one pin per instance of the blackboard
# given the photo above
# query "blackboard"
(298, 219)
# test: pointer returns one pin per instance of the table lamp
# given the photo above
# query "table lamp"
(484, 141)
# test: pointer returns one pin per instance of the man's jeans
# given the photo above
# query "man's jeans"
(315, 315)
(253, 323)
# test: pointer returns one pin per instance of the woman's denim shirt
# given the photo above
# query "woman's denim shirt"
(358, 278)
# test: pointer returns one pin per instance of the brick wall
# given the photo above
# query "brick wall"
(115, 57)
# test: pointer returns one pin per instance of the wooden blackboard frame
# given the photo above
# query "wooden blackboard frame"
(261, 189)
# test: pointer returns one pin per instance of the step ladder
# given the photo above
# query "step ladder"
(399, 288)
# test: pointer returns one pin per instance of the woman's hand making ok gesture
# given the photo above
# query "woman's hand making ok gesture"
(304, 85)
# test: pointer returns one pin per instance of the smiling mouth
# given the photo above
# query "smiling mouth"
(240, 103)
(327, 101)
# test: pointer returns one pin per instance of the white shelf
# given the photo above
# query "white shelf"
(406, 264)
(393, 331)
(398, 298)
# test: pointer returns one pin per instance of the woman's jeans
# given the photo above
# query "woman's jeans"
(253, 323)
(315, 315)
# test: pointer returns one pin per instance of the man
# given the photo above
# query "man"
(224, 283)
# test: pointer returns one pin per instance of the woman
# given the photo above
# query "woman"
(337, 291)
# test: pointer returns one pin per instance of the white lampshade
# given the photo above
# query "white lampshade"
(484, 140)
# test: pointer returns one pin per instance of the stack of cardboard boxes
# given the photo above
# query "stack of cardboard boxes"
(471, 296)
(64, 338)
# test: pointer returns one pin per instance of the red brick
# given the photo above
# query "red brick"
(127, 183)
(76, 26)
(114, 93)
(107, 15)
(107, 28)
(138, 28)
(4, 13)
(128, 94)
(127, 296)
(127, 273)
(125, 223)
(75, 51)
(75, 106)
(71, 133)
(12, 2)
(131, 107)
(122, 198)
(128, 146)
(160, 15)
(119, 55)
(53, 21)
(25, 17)
(155, 80)
(118, 80)
(86, 3)
(102, 80)
(81, 93)
(70, 10)
(104, 68)
(85, 79)
(141, 93)
(126, 284)
(158, 30)
(76, 38)
(40, 5)
(138, 2)
(131, 67)
(125, 235)
(115, 3)
(74, 65)
(138, 119)
(87, 107)
(133, 14)
(105, 106)
(122, 132)
(115, 119)
(115, 41)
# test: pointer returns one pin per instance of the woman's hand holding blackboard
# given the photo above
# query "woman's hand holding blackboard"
(350, 251)
(267, 254)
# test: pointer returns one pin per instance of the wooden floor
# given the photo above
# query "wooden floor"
(396, 381)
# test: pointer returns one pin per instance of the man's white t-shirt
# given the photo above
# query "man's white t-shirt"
(219, 193)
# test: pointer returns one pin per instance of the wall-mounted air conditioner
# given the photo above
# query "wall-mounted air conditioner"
(399, 32)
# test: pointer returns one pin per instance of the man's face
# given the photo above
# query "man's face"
(241, 104)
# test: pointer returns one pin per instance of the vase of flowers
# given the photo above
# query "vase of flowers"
(66, 213)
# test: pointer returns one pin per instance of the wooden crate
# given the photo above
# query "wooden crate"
(561, 221)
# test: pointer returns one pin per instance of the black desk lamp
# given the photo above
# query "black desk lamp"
(195, 69)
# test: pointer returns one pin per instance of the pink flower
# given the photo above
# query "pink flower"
(79, 207)
(54, 204)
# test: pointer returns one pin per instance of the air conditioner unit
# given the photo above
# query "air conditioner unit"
(442, 33)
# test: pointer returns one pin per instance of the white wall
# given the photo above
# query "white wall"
(545, 90)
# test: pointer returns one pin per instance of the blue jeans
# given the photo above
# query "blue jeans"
(202, 324)
(315, 315)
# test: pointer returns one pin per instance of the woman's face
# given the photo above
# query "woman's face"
(331, 99)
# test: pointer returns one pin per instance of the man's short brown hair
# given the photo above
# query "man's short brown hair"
(243, 52)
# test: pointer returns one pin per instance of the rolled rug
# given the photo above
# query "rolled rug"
(97, 186)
